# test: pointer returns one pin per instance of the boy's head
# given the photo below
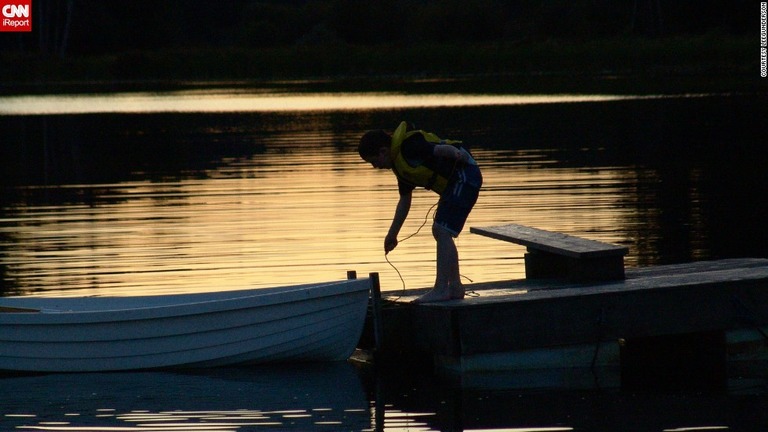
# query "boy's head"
(374, 148)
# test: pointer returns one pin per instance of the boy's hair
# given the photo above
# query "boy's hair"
(372, 141)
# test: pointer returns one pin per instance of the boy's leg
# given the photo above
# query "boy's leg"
(448, 263)
(450, 217)
(447, 281)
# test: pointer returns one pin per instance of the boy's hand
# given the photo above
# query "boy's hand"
(390, 242)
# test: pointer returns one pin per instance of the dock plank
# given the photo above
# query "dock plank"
(553, 254)
(497, 290)
(551, 242)
(662, 300)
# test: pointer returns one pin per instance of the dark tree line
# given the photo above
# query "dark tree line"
(83, 27)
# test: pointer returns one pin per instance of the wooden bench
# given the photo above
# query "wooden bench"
(557, 255)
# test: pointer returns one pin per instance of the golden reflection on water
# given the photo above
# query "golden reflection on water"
(289, 217)
(235, 100)
(301, 210)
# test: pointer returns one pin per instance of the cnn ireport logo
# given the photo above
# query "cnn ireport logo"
(15, 15)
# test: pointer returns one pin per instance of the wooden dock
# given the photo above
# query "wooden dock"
(673, 317)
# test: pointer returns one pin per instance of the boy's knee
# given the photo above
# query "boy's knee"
(439, 231)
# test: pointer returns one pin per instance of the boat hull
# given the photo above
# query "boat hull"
(301, 323)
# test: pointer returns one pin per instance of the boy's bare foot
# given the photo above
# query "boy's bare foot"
(435, 295)
(451, 292)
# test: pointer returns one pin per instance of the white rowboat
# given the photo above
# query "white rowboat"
(320, 322)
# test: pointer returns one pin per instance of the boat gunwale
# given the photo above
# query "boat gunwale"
(259, 297)
(159, 327)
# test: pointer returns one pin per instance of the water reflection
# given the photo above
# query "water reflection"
(141, 204)
(286, 216)
(293, 397)
(343, 396)
(238, 100)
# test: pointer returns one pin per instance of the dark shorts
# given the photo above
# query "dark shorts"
(458, 199)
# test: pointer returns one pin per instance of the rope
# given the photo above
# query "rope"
(398, 271)
(426, 218)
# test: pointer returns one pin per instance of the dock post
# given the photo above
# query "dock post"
(351, 275)
(378, 328)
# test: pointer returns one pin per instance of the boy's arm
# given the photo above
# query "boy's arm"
(401, 212)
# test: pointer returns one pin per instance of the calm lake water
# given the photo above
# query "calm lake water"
(173, 192)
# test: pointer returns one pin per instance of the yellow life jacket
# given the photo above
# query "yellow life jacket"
(416, 173)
